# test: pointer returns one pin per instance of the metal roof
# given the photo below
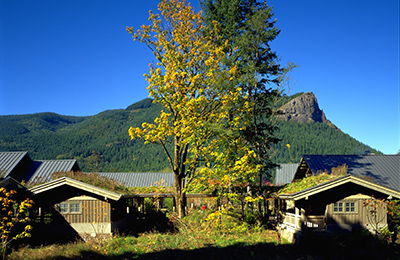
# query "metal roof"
(74, 183)
(141, 179)
(340, 181)
(382, 169)
(285, 173)
(22, 168)
(43, 169)
(9, 160)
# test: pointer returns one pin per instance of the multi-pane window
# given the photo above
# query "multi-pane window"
(345, 207)
(338, 207)
(69, 207)
(74, 207)
(63, 208)
(350, 207)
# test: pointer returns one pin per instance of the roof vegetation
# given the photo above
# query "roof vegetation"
(95, 180)
(314, 180)
(113, 185)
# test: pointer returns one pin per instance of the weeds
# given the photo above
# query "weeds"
(193, 233)
(197, 238)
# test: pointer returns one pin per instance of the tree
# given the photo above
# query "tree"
(393, 207)
(94, 160)
(249, 28)
(12, 213)
(186, 80)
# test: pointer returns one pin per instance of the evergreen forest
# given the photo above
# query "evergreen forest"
(101, 142)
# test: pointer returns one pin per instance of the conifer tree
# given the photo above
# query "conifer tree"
(249, 28)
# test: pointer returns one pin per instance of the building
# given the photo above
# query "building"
(339, 205)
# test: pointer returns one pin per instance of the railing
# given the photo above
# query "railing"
(312, 222)
(315, 222)
(291, 220)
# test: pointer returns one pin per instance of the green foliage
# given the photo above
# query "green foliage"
(308, 182)
(393, 208)
(194, 234)
(152, 189)
(145, 103)
(106, 133)
(249, 28)
(77, 137)
(313, 138)
(196, 239)
(95, 180)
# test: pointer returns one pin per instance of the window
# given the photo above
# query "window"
(338, 207)
(69, 207)
(350, 207)
(75, 207)
(345, 207)
(63, 208)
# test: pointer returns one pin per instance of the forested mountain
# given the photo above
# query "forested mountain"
(101, 142)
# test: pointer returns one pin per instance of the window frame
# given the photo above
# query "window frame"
(63, 208)
(338, 207)
(352, 208)
(345, 207)
(69, 207)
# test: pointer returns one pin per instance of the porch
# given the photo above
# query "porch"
(310, 222)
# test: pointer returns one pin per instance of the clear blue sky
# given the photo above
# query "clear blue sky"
(74, 57)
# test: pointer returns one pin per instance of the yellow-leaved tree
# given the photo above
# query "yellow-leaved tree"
(186, 79)
(12, 213)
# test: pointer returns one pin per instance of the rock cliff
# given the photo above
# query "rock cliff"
(303, 109)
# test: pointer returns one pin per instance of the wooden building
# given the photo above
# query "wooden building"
(340, 205)
(67, 208)
(65, 203)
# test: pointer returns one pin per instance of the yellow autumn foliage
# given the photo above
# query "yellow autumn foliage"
(200, 96)
(12, 212)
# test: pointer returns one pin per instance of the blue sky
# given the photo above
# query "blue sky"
(74, 57)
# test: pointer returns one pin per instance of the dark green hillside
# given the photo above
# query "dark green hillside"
(145, 103)
(52, 136)
(105, 133)
(313, 138)
(41, 123)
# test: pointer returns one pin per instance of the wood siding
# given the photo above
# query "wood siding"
(361, 216)
(92, 211)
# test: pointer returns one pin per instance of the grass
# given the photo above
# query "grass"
(200, 239)
(306, 183)
(314, 180)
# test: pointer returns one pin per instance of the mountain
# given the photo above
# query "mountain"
(303, 108)
(101, 142)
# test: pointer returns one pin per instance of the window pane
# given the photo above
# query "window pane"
(350, 207)
(75, 207)
(63, 208)
(338, 207)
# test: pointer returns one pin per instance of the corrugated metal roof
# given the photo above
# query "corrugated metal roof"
(8, 161)
(383, 169)
(74, 183)
(141, 179)
(43, 169)
(285, 173)
(340, 181)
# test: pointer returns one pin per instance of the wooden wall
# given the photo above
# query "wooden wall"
(92, 211)
(362, 215)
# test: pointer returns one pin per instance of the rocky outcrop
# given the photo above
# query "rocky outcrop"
(303, 109)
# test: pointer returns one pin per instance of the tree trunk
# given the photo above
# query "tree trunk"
(180, 201)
